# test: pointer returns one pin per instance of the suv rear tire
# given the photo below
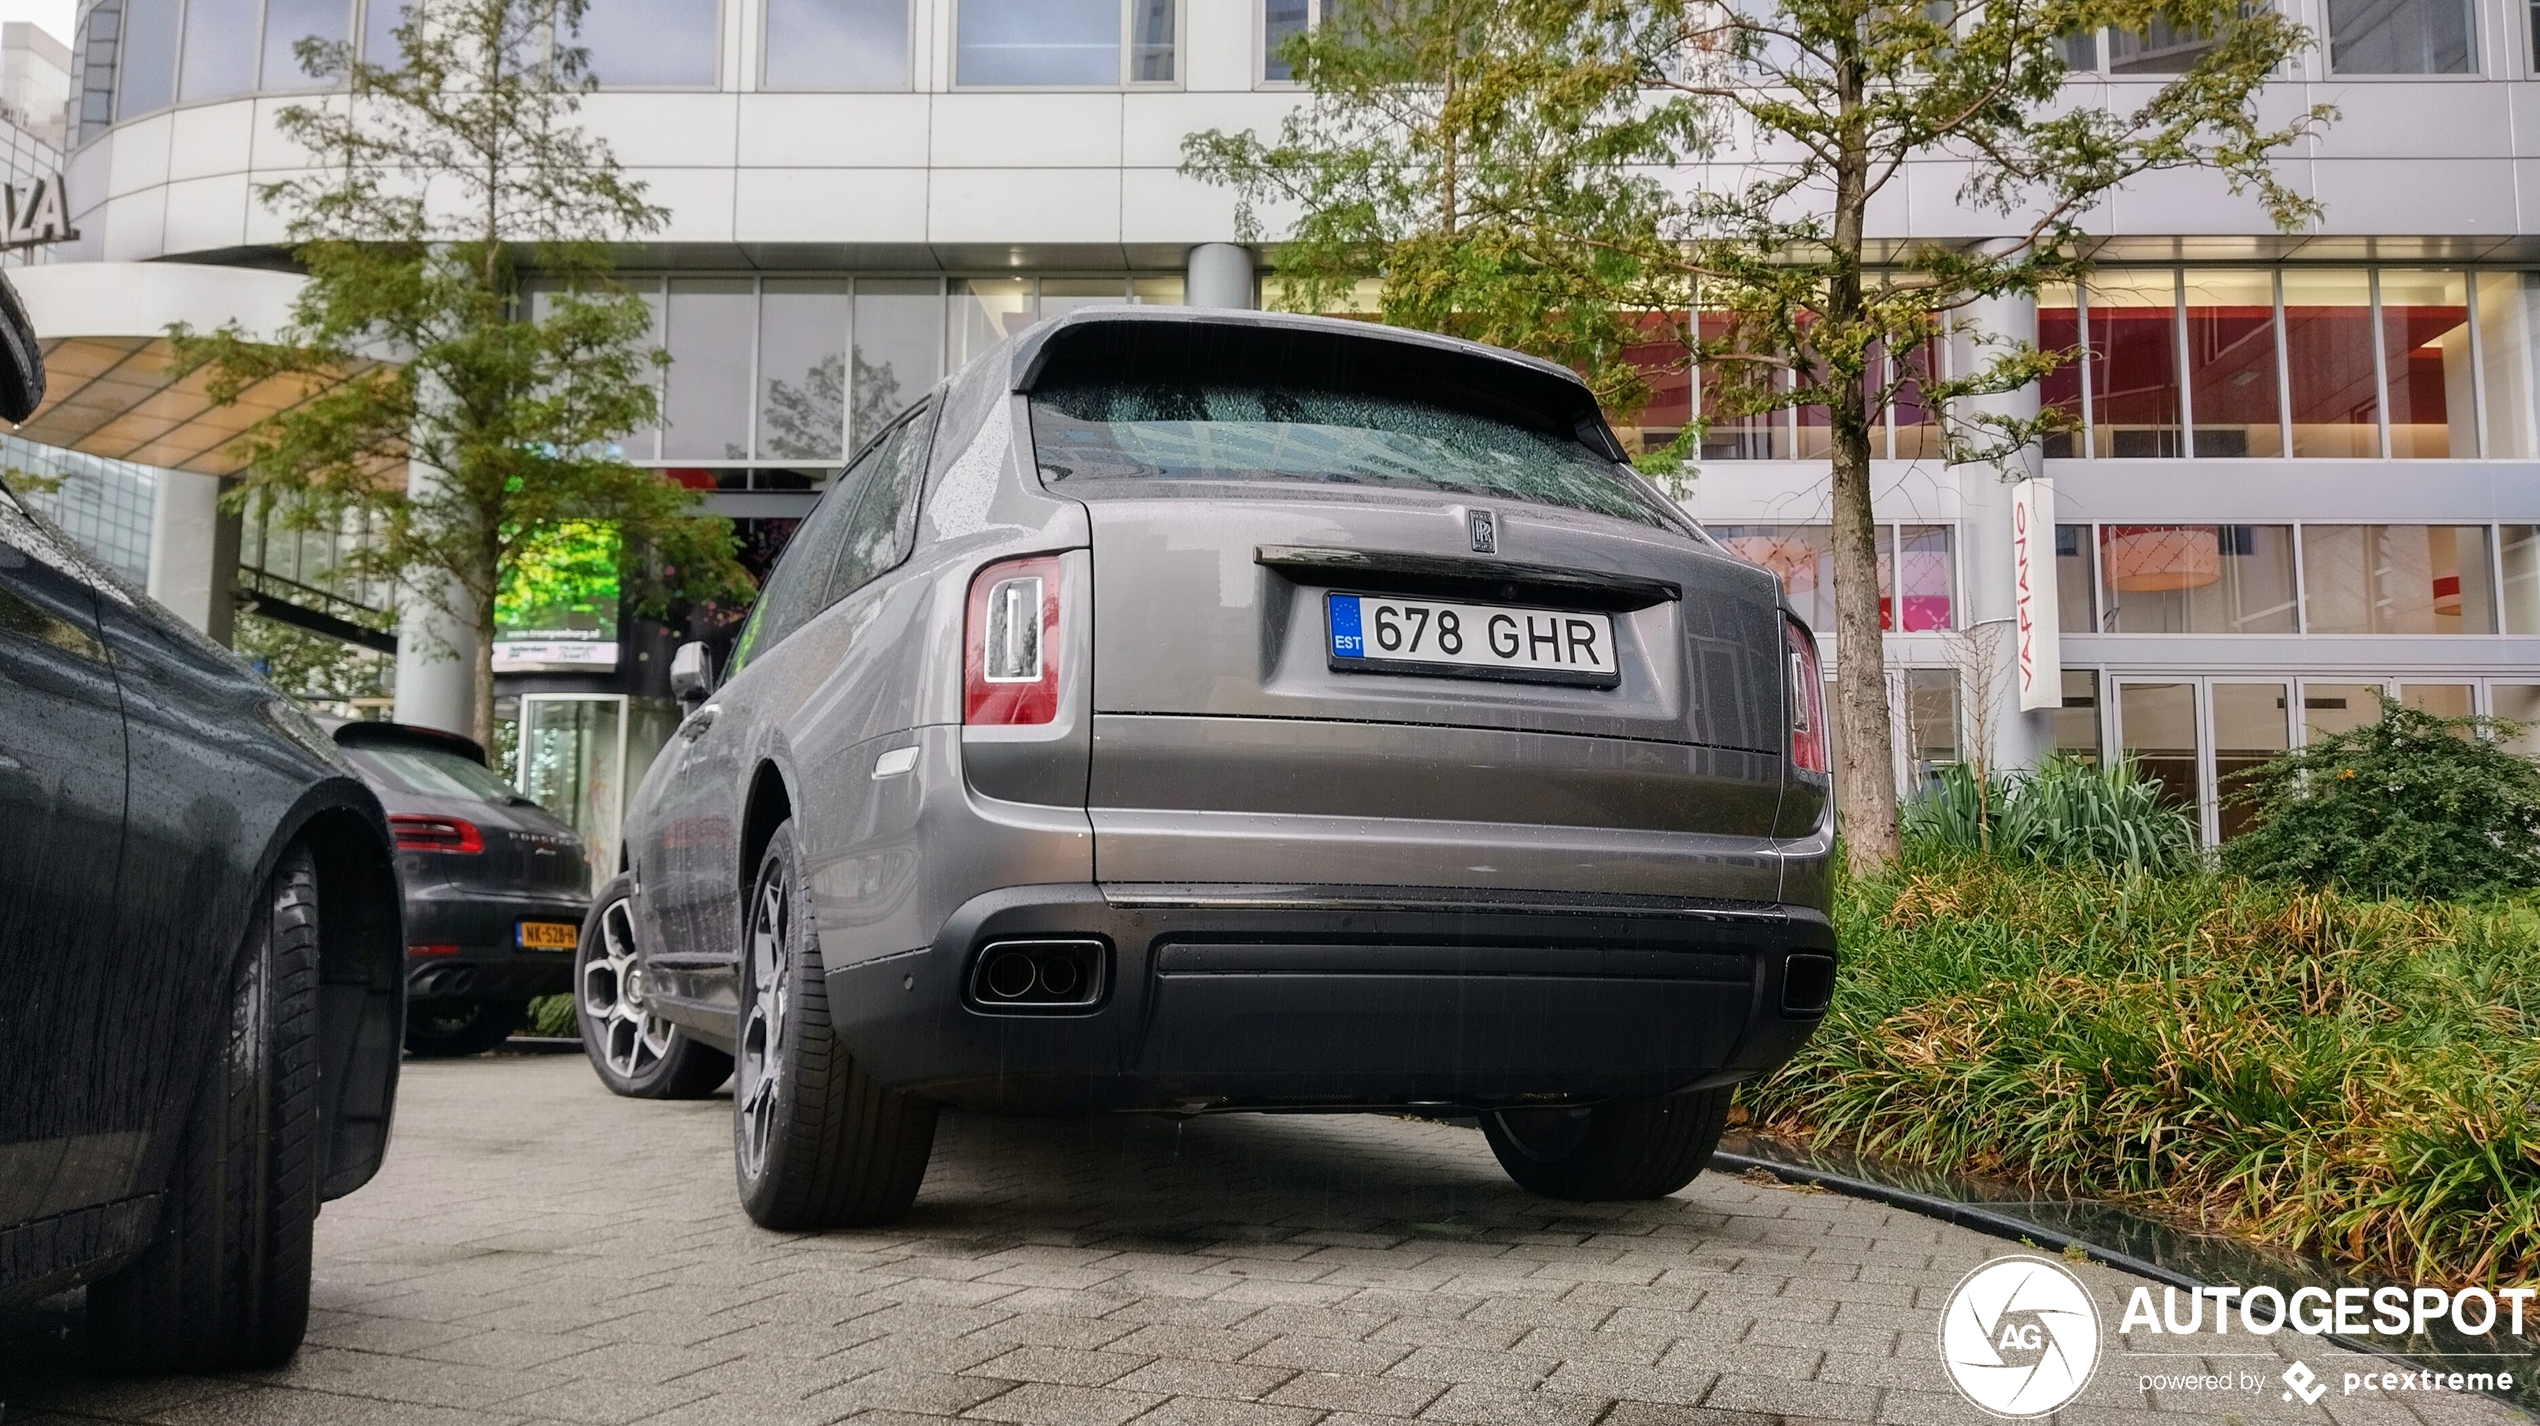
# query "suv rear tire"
(633, 1049)
(225, 1284)
(816, 1143)
(1621, 1149)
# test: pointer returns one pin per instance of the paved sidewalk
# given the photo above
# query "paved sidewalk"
(537, 1250)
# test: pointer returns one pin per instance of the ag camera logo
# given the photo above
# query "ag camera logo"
(2020, 1337)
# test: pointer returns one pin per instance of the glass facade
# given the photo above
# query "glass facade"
(2196, 579)
(800, 370)
(835, 44)
(2402, 37)
(1803, 557)
(1086, 44)
(649, 44)
(104, 504)
(2355, 579)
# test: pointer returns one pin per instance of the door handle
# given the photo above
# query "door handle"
(696, 723)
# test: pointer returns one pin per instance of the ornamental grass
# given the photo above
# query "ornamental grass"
(2354, 1079)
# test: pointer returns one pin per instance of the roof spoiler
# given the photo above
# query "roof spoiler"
(1209, 343)
(409, 735)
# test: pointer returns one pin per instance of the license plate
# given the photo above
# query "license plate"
(549, 935)
(1373, 633)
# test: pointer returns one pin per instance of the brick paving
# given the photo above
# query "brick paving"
(539, 1251)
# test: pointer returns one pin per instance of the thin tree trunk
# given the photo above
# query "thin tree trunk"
(484, 720)
(1865, 779)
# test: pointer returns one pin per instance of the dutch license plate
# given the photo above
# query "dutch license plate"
(549, 935)
(1373, 633)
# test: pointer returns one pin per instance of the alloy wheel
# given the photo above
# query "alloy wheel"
(632, 1035)
(761, 1061)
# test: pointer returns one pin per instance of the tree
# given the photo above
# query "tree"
(1841, 96)
(434, 187)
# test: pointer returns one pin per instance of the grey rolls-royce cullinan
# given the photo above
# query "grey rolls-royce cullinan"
(1191, 710)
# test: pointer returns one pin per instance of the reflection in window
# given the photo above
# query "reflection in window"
(2156, 726)
(2059, 330)
(1279, 20)
(899, 349)
(2076, 720)
(2231, 384)
(2251, 729)
(802, 369)
(1059, 42)
(2133, 367)
(706, 405)
(2397, 579)
(149, 56)
(1916, 578)
(836, 44)
(2401, 37)
(1931, 724)
(1759, 435)
(2442, 700)
(220, 50)
(96, 68)
(1801, 556)
(380, 19)
(2073, 580)
(2520, 547)
(2196, 579)
(2160, 49)
(986, 311)
(287, 22)
(2508, 341)
(2329, 708)
(2425, 345)
(2328, 349)
(636, 44)
(2520, 704)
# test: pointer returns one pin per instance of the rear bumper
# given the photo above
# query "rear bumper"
(487, 962)
(1339, 997)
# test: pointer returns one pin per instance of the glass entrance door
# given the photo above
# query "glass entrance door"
(573, 763)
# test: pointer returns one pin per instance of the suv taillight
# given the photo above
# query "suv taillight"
(1009, 655)
(434, 834)
(1807, 700)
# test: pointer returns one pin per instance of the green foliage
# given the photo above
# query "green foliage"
(1491, 161)
(474, 425)
(2413, 805)
(311, 667)
(1494, 164)
(2066, 813)
(551, 1016)
(2348, 1078)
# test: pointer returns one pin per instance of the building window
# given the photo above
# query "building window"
(2252, 728)
(2132, 364)
(2160, 49)
(2076, 721)
(1089, 44)
(802, 369)
(2328, 346)
(220, 50)
(2196, 579)
(2402, 37)
(287, 22)
(1281, 19)
(2520, 594)
(2157, 727)
(2231, 363)
(1931, 724)
(2074, 583)
(836, 44)
(96, 64)
(2397, 579)
(2425, 348)
(1802, 557)
(149, 56)
(652, 44)
(2508, 340)
(898, 352)
(380, 19)
(2518, 703)
(706, 404)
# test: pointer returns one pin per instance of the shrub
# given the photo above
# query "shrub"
(2349, 1078)
(2066, 813)
(2414, 805)
(552, 1016)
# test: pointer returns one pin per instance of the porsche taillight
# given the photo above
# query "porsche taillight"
(434, 834)
(1807, 700)
(1010, 645)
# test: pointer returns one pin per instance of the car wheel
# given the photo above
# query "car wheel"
(450, 1029)
(816, 1142)
(1622, 1149)
(634, 1050)
(224, 1286)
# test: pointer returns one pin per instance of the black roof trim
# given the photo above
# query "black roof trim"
(373, 735)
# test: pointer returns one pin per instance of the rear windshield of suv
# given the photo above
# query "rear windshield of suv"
(1139, 430)
(431, 772)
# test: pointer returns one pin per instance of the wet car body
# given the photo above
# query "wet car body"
(150, 785)
(1270, 871)
(495, 887)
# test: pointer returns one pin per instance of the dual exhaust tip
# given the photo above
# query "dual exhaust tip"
(1039, 975)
